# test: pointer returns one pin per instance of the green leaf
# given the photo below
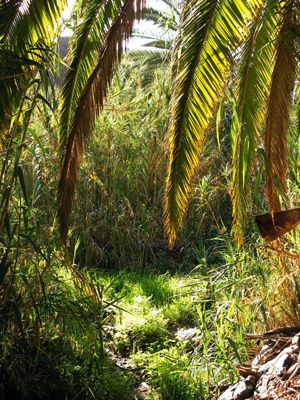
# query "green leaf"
(210, 34)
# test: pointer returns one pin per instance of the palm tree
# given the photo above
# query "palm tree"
(254, 44)
(166, 22)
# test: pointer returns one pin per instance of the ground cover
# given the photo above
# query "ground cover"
(114, 335)
(181, 335)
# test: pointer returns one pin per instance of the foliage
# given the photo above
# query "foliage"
(26, 31)
(254, 44)
(52, 315)
(72, 325)
(124, 174)
(52, 335)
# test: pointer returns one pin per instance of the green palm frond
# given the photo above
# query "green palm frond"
(24, 26)
(279, 104)
(113, 26)
(15, 72)
(160, 44)
(9, 10)
(162, 19)
(252, 87)
(210, 32)
(25, 22)
(148, 61)
(84, 48)
(148, 57)
(174, 5)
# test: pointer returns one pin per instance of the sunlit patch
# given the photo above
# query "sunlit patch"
(24, 6)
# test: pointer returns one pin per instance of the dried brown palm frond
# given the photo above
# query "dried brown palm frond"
(278, 113)
(90, 103)
(252, 88)
(274, 225)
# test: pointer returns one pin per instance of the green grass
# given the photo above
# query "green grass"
(219, 300)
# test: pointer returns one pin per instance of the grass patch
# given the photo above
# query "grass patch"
(218, 301)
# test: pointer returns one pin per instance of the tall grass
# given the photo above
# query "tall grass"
(124, 173)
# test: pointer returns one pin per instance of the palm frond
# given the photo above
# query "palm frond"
(253, 85)
(24, 22)
(278, 112)
(90, 103)
(160, 44)
(147, 57)
(174, 5)
(162, 19)
(24, 25)
(84, 49)
(148, 61)
(8, 13)
(14, 73)
(209, 34)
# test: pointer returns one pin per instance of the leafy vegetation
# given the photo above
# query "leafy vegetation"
(111, 312)
(253, 43)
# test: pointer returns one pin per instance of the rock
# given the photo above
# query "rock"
(274, 373)
(260, 356)
(142, 391)
(186, 334)
(242, 390)
(296, 340)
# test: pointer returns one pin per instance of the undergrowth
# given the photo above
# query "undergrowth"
(184, 332)
(52, 335)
